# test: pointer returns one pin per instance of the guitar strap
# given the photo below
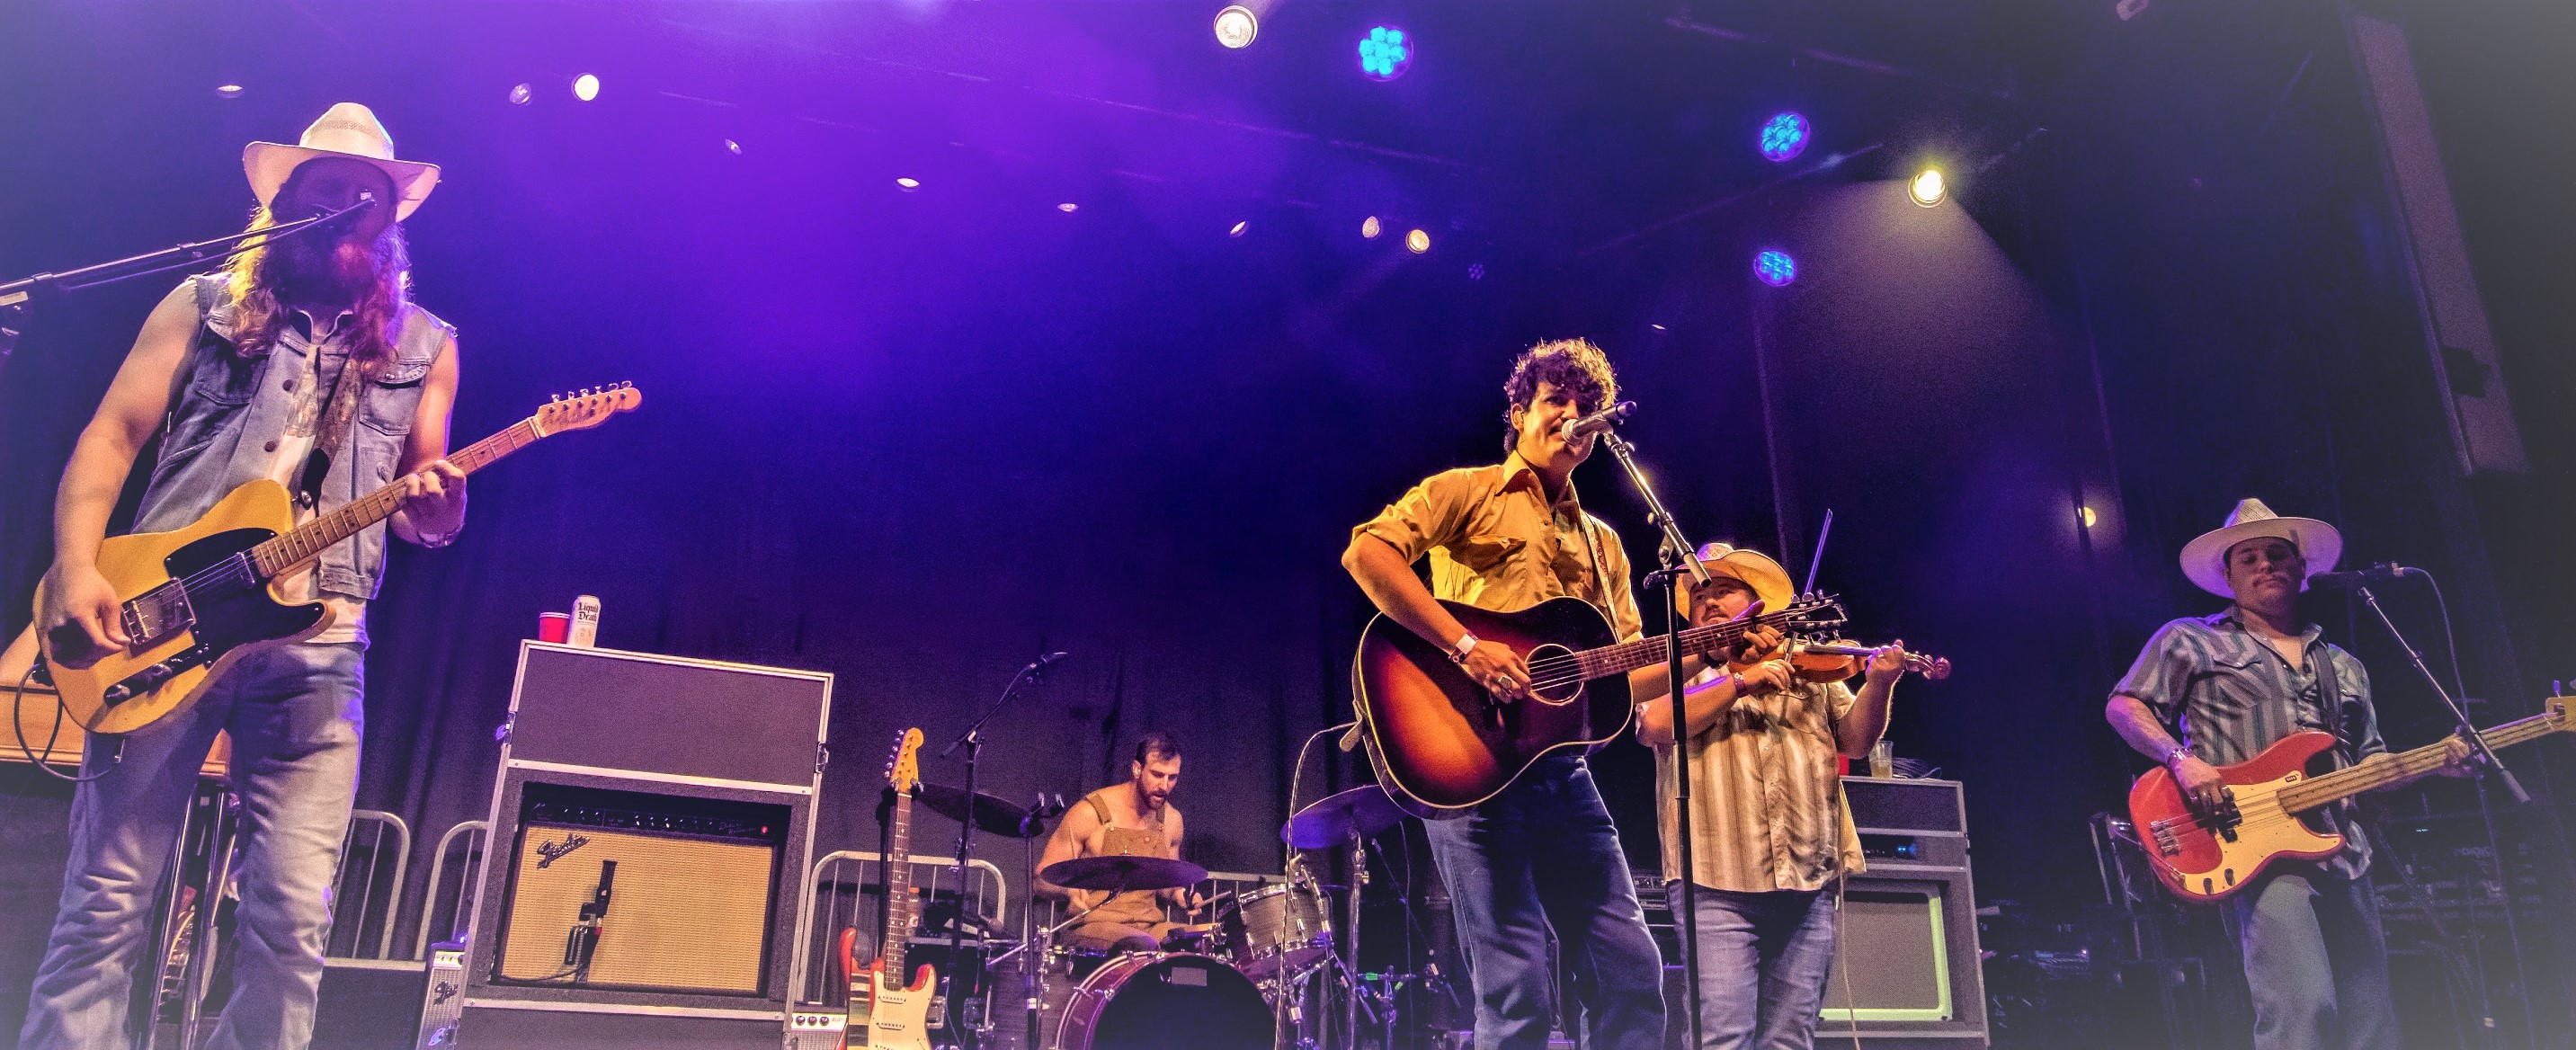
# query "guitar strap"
(2330, 707)
(334, 428)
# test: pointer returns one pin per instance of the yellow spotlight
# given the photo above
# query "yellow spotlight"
(1927, 188)
(1369, 227)
(1418, 242)
(2086, 515)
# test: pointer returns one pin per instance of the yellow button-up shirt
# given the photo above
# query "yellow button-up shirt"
(1497, 542)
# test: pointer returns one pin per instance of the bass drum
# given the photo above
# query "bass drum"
(1164, 1001)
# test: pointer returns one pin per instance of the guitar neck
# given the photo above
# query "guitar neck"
(2403, 767)
(898, 877)
(309, 540)
(1647, 652)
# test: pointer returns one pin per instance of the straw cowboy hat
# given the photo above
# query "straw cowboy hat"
(1769, 581)
(2204, 559)
(345, 130)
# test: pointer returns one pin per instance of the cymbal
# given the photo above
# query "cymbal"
(1007, 819)
(1332, 821)
(1122, 872)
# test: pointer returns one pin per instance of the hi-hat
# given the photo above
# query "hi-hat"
(1122, 873)
(1333, 821)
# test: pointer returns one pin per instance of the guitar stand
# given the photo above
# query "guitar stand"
(212, 820)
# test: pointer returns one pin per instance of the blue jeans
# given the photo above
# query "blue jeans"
(293, 711)
(1763, 958)
(2316, 962)
(1543, 857)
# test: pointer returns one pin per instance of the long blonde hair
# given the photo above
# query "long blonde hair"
(257, 316)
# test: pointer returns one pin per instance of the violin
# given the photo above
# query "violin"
(1837, 661)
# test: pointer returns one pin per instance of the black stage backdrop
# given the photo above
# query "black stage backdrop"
(916, 439)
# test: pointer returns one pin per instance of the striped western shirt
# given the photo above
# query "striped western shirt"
(2228, 695)
(1767, 808)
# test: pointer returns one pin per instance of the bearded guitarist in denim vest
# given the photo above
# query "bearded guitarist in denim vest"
(305, 363)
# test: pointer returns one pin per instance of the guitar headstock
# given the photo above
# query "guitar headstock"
(2554, 710)
(903, 768)
(585, 408)
(1811, 616)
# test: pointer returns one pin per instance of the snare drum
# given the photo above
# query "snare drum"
(1276, 930)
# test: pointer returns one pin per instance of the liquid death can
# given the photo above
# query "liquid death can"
(585, 622)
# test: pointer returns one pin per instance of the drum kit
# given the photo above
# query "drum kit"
(1263, 975)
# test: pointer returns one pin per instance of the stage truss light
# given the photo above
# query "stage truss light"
(1068, 207)
(1236, 26)
(586, 87)
(907, 183)
(733, 147)
(1370, 228)
(1775, 268)
(228, 91)
(1417, 241)
(1927, 189)
(1784, 136)
(522, 94)
(1385, 53)
(1239, 227)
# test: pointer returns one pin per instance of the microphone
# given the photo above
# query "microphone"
(2384, 572)
(1038, 666)
(1577, 429)
(366, 202)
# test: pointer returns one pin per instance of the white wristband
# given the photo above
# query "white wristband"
(1466, 644)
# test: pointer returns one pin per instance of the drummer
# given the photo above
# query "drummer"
(1135, 818)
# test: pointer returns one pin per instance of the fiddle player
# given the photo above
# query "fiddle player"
(1770, 830)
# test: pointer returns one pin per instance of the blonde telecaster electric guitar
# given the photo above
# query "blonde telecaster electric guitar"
(193, 599)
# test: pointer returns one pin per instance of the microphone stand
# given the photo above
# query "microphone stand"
(2488, 760)
(1679, 559)
(2488, 763)
(16, 297)
(973, 741)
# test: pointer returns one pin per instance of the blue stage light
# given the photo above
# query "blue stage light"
(1784, 136)
(1775, 267)
(1385, 53)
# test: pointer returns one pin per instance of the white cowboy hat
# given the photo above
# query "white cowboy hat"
(2204, 559)
(1754, 569)
(345, 130)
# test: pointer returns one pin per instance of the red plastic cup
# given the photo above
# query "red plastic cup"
(553, 626)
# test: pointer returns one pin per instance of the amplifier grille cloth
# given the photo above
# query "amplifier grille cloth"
(683, 913)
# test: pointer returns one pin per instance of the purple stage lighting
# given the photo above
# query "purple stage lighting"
(1385, 53)
(1775, 267)
(1784, 136)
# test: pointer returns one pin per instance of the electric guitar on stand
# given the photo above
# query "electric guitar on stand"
(2206, 857)
(885, 1013)
(194, 598)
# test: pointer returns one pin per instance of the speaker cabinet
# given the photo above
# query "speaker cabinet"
(651, 826)
(1908, 973)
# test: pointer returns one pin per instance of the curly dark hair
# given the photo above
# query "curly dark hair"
(1572, 365)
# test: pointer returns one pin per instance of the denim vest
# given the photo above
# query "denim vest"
(217, 434)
